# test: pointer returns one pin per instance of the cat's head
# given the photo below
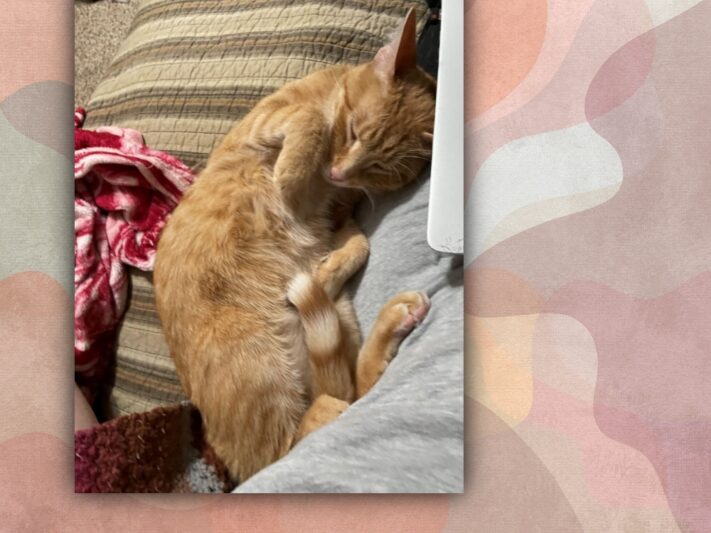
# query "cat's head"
(385, 116)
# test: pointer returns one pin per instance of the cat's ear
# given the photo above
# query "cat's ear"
(399, 56)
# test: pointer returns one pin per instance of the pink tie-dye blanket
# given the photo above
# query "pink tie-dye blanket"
(124, 192)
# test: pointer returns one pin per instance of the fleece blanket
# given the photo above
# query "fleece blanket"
(124, 192)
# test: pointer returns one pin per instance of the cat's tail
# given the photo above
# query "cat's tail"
(318, 315)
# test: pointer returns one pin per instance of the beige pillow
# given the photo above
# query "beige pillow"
(189, 68)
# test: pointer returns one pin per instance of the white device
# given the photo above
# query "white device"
(445, 218)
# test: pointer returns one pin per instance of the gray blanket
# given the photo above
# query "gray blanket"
(406, 435)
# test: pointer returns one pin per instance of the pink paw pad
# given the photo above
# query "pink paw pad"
(414, 317)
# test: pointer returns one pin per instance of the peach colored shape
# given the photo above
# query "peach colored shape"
(499, 292)
(498, 369)
(37, 354)
(502, 41)
(37, 39)
(562, 23)
(615, 475)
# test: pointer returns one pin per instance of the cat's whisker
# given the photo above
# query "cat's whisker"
(418, 154)
(402, 166)
(369, 197)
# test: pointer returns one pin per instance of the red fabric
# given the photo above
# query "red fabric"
(162, 450)
(123, 194)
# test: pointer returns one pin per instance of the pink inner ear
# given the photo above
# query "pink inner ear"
(384, 57)
(384, 61)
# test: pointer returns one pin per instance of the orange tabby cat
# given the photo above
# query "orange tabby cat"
(264, 368)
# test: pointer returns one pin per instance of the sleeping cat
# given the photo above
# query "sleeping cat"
(250, 266)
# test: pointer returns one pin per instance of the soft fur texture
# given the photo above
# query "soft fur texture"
(258, 225)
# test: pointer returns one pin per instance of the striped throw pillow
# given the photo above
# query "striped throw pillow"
(189, 68)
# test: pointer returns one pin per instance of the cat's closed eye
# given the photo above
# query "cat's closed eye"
(352, 135)
(378, 168)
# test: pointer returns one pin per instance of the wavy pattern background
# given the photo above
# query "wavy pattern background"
(588, 284)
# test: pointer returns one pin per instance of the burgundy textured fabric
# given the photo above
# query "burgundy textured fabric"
(155, 451)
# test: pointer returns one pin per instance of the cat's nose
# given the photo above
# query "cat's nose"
(337, 174)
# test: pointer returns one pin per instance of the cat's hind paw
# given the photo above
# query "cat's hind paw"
(405, 312)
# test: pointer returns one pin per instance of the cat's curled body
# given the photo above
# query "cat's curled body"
(263, 368)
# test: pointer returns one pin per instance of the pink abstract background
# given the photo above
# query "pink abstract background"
(588, 205)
